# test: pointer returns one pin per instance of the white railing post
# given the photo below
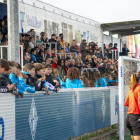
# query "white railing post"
(21, 56)
(1, 53)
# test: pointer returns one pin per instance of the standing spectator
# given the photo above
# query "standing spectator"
(83, 49)
(125, 50)
(54, 62)
(48, 60)
(116, 49)
(27, 58)
(73, 47)
(66, 67)
(77, 47)
(99, 53)
(3, 27)
(110, 46)
(1, 37)
(31, 42)
(62, 43)
(53, 39)
(108, 52)
(66, 47)
(60, 68)
(58, 39)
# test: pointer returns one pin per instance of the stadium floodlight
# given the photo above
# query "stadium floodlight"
(127, 66)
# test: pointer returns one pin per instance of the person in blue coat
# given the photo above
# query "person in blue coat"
(112, 80)
(105, 78)
(33, 55)
(73, 80)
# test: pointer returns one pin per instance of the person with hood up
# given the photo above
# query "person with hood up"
(73, 80)
(39, 56)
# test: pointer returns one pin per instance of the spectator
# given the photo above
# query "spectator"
(66, 66)
(54, 62)
(115, 49)
(69, 62)
(72, 63)
(39, 56)
(83, 49)
(62, 83)
(66, 47)
(53, 40)
(48, 60)
(77, 47)
(99, 53)
(26, 38)
(112, 80)
(60, 68)
(5, 19)
(94, 62)
(62, 43)
(44, 39)
(3, 27)
(31, 42)
(89, 59)
(73, 47)
(42, 48)
(33, 55)
(53, 52)
(37, 49)
(108, 52)
(46, 53)
(1, 37)
(26, 48)
(37, 39)
(125, 50)
(73, 80)
(110, 46)
(58, 39)
(27, 58)
(84, 81)
(5, 37)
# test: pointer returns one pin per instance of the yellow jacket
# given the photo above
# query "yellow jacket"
(62, 42)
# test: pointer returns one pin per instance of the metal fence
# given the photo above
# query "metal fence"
(69, 113)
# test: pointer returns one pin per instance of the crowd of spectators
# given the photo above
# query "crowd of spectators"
(47, 71)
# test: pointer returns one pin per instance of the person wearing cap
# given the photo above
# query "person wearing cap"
(53, 39)
(62, 42)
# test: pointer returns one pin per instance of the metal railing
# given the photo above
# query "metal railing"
(65, 54)
(131, 54)
(89, 69)
(21, 60)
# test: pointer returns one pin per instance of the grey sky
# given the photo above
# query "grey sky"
(101, 10)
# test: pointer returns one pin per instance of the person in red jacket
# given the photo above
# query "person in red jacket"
(54, 63)
(133, 102)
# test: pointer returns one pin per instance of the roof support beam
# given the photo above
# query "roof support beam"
(130, 33)
(120, 27)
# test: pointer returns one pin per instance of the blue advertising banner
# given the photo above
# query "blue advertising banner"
(61, 115)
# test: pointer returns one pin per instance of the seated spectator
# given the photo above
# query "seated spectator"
(3, 27)
(89, 59)
(87, 65)
(99, 60)
(26, 48)
(48, 60)
(45, 54)
(5, 37)
(73, 47)
(37, 49)
(60, 68)
(29, 70)
(53, 39)
(79, 56)
(39, 56)
(53, 52)
(51, 78)
(101, 68)
(66, 47)
(31, 42)
(83, 49)
(26, 38)
(54, 62)
(77, 47)
(72, 63)
(1, 37)
(62, 83)
(22, 82)
(66, 66)
(69, 62)
(42, 47)
(112, 80)
(73, 80)
(27, 58)
(94, 62)
(5, 83)
(5, 19)
(37, 39)
(44, 39)
(33, 55)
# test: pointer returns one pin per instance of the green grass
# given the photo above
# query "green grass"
(126, 137)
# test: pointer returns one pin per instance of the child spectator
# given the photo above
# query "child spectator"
(91, 79)
(112, 80)
(98, 81)
(73, 80)
(33, 55)
(54, 62)
(5, 83)
(60, 68)
(84, 81)
(62, 83)
(31, 42)
(37, 49)
(46, 53)
(29, 70)
(27, 58)
(105, 79)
